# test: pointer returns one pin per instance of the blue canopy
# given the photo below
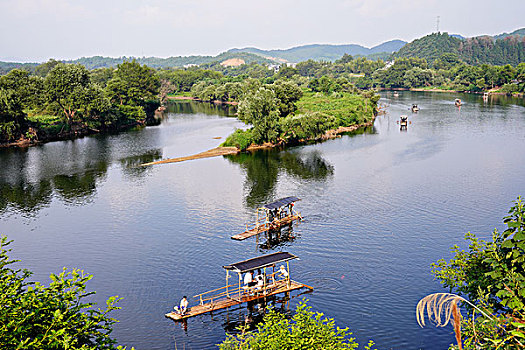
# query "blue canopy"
(281, 203)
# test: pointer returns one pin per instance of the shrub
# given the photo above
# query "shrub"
(241, 139)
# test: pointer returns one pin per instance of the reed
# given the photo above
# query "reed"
(441, 304)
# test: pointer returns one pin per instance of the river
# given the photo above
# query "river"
(380, 206)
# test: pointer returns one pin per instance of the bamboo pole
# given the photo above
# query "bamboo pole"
(288, 270)
(227, 276)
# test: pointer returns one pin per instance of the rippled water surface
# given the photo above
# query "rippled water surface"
(380, 206)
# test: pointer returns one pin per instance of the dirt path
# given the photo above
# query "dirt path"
(215, 152)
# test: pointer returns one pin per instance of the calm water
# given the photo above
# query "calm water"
(380, 207)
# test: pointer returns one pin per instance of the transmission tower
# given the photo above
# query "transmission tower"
(437, 25)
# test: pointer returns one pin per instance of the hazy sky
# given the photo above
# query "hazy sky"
(36, 30)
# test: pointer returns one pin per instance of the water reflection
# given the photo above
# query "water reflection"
(70, 170)
(276, 238)
(263, 168)
(131, 166)
(249, 315)
(194, 107)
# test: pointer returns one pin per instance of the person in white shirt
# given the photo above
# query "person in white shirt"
(248, 279)
(283, 272)
(181, 310)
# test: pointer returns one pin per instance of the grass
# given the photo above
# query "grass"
(48, 124)
(348, 109)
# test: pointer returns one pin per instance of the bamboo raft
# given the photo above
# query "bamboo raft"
(272, 216)
(233, 294)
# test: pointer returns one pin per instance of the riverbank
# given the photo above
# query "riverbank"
(43, 132)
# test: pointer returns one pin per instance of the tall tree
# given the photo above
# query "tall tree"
(66, 85)
(133, 84)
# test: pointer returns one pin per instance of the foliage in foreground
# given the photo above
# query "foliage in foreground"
(33, 316)
(491, 275)
(305, 330)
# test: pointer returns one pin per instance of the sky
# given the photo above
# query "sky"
(37, 30)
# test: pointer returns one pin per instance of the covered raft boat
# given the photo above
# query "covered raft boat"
(272, 216)
(273, 283)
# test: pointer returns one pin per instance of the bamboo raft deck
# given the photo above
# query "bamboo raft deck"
(235, 297)
(266, 227)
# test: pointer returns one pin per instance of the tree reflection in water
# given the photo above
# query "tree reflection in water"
(263, 168)
(29, 178)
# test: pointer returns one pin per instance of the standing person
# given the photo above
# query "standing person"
(181, 310)
(248, 279)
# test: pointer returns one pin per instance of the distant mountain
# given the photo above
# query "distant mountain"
(457, 36)
(477, 50)
(518, 32)
(323, 52)
(180, 61)
(155, 62)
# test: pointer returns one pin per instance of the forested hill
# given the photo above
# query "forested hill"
(180, 61)
(323, 52)
(154, 62)
(517, 32)
(477, 50)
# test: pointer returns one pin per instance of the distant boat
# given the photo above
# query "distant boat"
(415, 108)
(403, 122)
(457, 102)
(396, 94)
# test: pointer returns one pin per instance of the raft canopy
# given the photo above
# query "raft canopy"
(280, 203)
(260, 262)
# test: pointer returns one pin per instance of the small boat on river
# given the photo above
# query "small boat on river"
(457, 102)
(415, 108)
(272, 216)
(396, 94)
(269, 282)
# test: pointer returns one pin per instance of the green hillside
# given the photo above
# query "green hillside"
(157, 62)
(477, 50)
(430, 47)
(154, 62)
(518, 32)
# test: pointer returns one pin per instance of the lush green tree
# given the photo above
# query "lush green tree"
(417, 77)
(58, 316)
(506, 74)
(66, 85)
(260, 109)
(287, 93)
(305, 330)
(43, 69)
(286, 72)
(101, 76)
(306, 126)
(12, 116)
(29, 88)
(491, 275)
(133, 84)
(345, 59)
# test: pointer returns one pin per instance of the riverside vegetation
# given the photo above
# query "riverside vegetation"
(489, 279)
(56, 100)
